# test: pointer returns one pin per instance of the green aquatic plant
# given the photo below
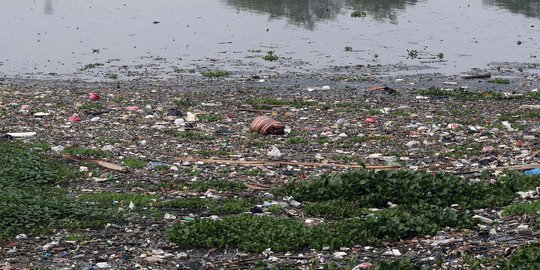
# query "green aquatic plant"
(270, 56)
(91, 66)
(358, 14)
(215, 73)
(412, 54)
(499, 81)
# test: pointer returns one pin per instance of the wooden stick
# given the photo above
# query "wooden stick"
(102, 163)
(253, 110)
(534, 154)
(281, 163)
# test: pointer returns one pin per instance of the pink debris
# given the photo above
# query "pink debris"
(488, 149)
(365, 265)
(370, 120)
(74, 118)
(309, 129)
(132, 108)
(94, 96)
(25, 108)
(453, 125)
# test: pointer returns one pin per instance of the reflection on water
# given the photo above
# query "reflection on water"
(48, 9)
(381, 9)
(529, 8)
(299, 12)
(307, 12)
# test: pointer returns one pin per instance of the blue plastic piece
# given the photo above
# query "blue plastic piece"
(533, 172)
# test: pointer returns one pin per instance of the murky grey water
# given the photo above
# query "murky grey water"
(62, 36)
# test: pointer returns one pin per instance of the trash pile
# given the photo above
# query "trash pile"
(158, 154)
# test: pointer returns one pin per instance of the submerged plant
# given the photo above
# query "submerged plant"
(412, 54)
(499, 81)
(358, 14)
(215, 73)
(270, 56)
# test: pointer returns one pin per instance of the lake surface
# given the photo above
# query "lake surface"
(53, 36)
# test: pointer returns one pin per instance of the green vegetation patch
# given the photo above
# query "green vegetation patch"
(376, 189)
(335, 209)
(250, 233)
(422, 208)
(215, 73)
(221, 207)
(24, 167)
(30, 202)
(532, 209)
(522, 208)
(209, 153)
(526, 257)
(499, 81)
(256, 233)
(209, 117)
(134, 163)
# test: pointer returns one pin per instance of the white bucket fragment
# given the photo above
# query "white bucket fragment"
(21, 134)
